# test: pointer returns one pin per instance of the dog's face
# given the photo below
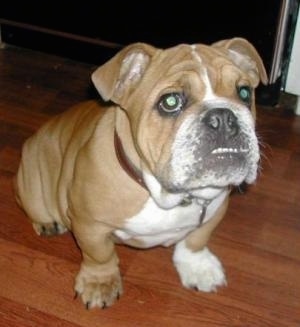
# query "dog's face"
(191, 110)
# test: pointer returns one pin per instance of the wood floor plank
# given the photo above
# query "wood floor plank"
(14, 314)
(45, 283)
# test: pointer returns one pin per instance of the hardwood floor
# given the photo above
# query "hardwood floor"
(258, 241)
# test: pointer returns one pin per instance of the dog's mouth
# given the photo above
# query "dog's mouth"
(223, 166)
(225, 159)
(224, 155)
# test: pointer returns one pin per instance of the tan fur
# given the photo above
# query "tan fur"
(69, 173)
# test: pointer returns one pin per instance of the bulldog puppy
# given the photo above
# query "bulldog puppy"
(153, 167)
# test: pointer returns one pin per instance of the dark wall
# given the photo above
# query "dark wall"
(161, 24)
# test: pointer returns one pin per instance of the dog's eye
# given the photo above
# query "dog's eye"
(171, 103)
(244, 93)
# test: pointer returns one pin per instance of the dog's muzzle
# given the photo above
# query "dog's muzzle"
(216, 148)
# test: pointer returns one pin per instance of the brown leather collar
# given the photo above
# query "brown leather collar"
(126, 163)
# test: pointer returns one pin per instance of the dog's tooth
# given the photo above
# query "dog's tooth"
(228, 150)
(218, 150)
(243, 150)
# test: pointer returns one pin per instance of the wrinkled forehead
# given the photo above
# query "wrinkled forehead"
(201, 72)
(195, 55)
(211, 66)
(194, 65)
(205, 61)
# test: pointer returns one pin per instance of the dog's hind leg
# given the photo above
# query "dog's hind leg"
(36, 201)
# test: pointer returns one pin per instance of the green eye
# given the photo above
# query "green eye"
(245, 93)
(171, 103)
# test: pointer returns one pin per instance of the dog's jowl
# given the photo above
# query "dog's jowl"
(154, 167)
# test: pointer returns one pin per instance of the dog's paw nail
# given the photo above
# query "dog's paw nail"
(88, 305)
(75, 295)
(56, 227)
(104, 306)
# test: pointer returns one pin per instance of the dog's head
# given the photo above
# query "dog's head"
(191, 110)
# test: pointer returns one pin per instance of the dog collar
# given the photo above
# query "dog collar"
(203, 212)
(204, 203)
(126, 163)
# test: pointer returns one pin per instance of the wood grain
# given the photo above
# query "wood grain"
(258, 241)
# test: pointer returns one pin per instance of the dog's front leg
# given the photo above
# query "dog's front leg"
(98, 281)
(197, 267)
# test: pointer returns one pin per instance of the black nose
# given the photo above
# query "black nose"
(222, 120)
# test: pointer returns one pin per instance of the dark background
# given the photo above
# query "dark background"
(160, 24)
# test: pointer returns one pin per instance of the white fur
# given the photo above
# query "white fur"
(163, 199)
(209, 94)
(181, 160)
(209, 193)
(156, 226)
(201, 270)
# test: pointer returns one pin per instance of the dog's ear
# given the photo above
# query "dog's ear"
(119, 75)
(244, 55)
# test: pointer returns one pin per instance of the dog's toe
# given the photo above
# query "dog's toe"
(49, 229)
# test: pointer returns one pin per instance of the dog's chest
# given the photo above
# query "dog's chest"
(155, 226)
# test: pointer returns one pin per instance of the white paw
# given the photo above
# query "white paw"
(201, 270)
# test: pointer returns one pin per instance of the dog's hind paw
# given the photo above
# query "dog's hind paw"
(49, 229)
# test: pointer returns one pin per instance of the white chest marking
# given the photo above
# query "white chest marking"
(155, 226)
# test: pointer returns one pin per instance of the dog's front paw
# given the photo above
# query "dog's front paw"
(201, 270)
(98, 290)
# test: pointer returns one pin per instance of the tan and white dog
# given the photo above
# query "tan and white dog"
(154, 166)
